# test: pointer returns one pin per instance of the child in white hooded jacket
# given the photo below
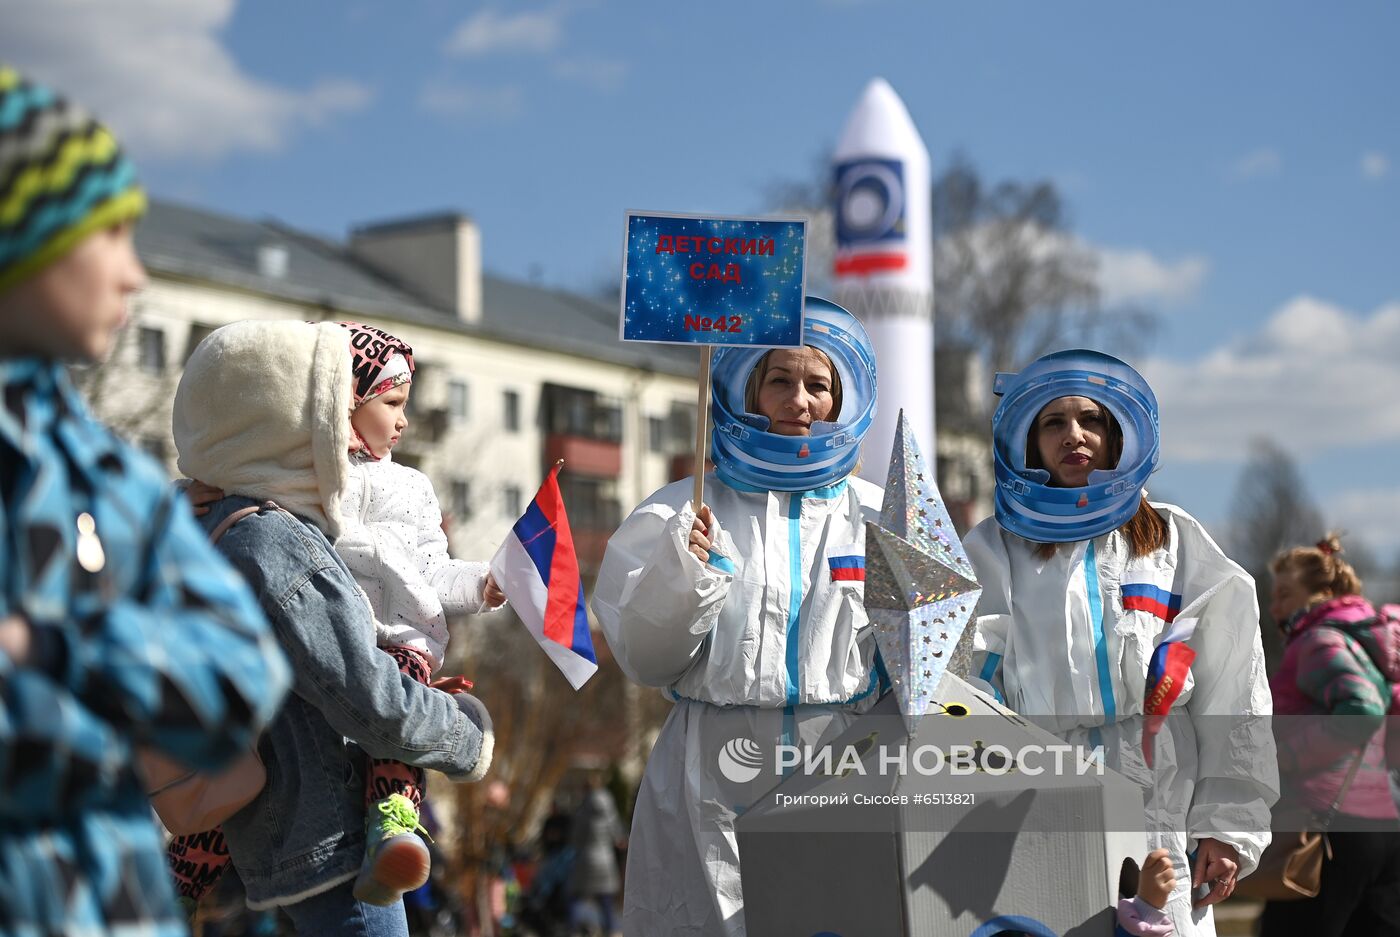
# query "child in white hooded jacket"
(391, 539)
(391, 536)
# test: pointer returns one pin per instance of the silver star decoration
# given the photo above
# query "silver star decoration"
(920, 588)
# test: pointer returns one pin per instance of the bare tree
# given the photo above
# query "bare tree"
(1009, 278)
(543, 729)
(1271, 511)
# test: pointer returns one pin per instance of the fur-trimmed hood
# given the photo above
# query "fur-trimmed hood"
(263, 409)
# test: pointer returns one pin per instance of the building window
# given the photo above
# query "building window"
(152, 350)
(682, 422)
(511, 500)
(198, 333)
(417, 407)
(574, 411)
(607, 421)
(658, 434)
(457, 401)
(461, 500)
(592, 503)
(512, 411)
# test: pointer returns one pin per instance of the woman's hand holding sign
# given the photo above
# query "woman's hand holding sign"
(700, 533)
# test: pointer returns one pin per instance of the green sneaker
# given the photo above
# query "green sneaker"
(396, 860)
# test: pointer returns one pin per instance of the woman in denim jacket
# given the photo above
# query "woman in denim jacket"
(262, 412)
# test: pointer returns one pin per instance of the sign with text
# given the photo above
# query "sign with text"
(713, 281)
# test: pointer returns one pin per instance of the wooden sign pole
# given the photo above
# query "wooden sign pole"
(702, 426)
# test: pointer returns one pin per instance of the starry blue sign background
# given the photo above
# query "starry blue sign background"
(659, 292)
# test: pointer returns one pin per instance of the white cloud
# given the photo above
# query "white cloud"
(1264, 161)
(157, 72)
(1374, 165)
(456, 101)
(1366, 514)
(1314, 377)
(487, 31)
(1137, 275)
(600, 74)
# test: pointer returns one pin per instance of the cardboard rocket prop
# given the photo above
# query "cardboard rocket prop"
(940, 854)
(920, 589)
(883, 271)
(939, 813)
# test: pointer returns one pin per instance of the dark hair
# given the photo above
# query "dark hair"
(1145, 530)
(1320, 569)
(760, 371)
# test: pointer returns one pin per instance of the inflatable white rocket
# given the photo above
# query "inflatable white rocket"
(883, 272)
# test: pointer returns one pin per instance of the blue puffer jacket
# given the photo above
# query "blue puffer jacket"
(162, 646)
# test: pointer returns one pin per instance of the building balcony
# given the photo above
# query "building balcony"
(596, 458)
(589, 544)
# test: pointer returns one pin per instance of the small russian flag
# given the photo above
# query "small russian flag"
(537, 569)
(847, 564)
(1145, 597)
(1166, 678)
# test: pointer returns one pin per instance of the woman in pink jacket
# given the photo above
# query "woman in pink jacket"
(1341, 658)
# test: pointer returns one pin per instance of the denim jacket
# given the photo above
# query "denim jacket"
(159, 645)
(305, 832)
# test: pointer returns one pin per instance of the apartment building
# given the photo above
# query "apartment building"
(511, 377)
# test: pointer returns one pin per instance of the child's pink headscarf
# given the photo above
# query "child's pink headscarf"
(380, 362)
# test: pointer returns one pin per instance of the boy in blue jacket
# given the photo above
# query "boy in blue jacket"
(121, 628)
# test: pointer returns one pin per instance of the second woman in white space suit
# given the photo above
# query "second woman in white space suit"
(1086, 587)
(738, 615)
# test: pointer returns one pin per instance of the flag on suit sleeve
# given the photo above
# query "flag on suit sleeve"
(847, 564)
(538, 571)
(1166, 678)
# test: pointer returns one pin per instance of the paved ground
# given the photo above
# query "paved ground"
(1236, 918)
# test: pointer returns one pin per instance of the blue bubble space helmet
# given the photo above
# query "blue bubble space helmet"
(1026, 503)
(747, 454)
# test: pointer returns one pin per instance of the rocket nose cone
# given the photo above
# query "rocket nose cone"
(880, 92)
(880, 124)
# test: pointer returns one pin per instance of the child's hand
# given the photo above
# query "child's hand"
(700, 533)
(201, 496)
(495, 598)
(1157, 878)
(452, 684)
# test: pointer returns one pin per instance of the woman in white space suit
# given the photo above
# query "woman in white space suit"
(1095, 600)
(749, 614)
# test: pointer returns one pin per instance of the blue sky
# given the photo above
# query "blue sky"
(1236, 166)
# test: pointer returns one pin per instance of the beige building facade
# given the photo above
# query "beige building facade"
(510, 377)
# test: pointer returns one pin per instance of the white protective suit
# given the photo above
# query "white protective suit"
(392, 540)
(1054, 640)
(759, 642)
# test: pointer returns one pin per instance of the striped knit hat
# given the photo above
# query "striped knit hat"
(62, 177)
